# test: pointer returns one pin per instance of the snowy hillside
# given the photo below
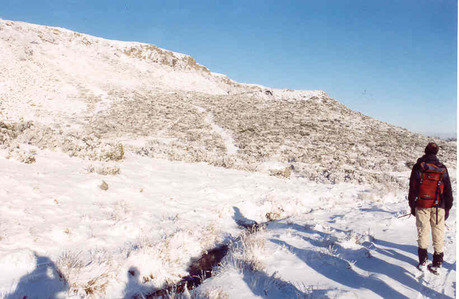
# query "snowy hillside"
(122, 163)
(78, 93)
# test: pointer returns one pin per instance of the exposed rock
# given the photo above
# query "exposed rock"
(104, 186)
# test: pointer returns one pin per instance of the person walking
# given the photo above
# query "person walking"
(430, 198)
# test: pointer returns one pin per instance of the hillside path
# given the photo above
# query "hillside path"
(231, 148)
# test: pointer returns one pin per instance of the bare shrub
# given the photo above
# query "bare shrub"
(284, 173)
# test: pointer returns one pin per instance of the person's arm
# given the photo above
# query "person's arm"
(447, 194)
(412, 193)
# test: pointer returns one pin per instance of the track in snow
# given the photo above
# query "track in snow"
(227, 138)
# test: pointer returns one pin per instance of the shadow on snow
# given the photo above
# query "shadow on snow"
(335, 266)
(44, 282)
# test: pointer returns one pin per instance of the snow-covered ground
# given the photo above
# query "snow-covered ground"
(356, 250)
(97, 198)
(62, 235)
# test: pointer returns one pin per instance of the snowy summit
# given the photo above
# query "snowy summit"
(123, 164)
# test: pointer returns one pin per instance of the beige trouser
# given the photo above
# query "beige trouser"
(425, 220)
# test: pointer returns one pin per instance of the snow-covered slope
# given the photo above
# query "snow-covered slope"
(47, 64)
(81, 92)
(104, 194)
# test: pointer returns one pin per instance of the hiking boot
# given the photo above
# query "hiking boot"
(422, 267)
(422, 254)
(434, 270)
(437, 260)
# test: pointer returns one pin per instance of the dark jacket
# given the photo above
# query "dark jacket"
(446, 201)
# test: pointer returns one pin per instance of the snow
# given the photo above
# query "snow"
(231, 149)
(351, 251)
(38, 68)
(158, 214)
(15, 264)
(102, 114)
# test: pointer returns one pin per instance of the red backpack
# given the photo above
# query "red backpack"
(431, 185)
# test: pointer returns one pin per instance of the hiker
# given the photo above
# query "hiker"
(430, 198)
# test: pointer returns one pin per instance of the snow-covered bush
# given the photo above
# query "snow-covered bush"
(24, 156)
(120, 211)
(79, 144)
(10, 131)
(248, 252)
(213, 293)
(87, 275)
(104, 169)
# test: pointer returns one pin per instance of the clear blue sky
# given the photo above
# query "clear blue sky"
(395, 60)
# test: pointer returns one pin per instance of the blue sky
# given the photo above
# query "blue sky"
(394, 60)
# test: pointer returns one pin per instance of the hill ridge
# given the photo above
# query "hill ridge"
(96, 98)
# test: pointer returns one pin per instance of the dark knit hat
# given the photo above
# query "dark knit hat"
(431, 149)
